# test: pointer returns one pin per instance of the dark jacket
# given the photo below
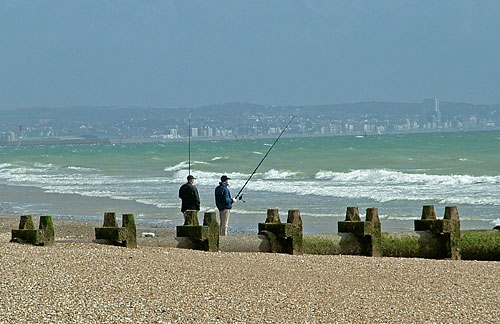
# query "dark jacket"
(223, 198)
(190, 198)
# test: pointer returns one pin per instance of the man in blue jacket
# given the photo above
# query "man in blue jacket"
(224, 203)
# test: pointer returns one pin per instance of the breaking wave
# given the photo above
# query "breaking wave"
(388, 177)
(277, 174)
(77, 168)
(219, 158)
(376, 185)
(184, 165)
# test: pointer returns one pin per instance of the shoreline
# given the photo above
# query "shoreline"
(132, 140)
(151, 218)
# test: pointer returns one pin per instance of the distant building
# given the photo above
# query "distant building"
(437, 112)
(431, 115)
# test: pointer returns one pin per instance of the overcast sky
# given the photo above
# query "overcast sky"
(190, 53)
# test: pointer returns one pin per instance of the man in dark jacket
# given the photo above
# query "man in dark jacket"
(224, 203)
(189, 195)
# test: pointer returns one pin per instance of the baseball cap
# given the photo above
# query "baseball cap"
(224, 178)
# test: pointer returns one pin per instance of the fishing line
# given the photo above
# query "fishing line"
(189, 145)
(239, 193)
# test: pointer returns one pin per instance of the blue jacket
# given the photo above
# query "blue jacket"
(223, 198)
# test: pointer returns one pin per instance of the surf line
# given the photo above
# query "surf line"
(239, 195)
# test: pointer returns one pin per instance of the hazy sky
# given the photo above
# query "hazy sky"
(189, 53)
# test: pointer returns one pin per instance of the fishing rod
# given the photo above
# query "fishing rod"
(189, 145)
(275, 141)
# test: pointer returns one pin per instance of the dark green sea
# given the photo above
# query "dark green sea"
(320, 176)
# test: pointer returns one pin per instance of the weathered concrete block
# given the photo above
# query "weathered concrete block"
(447, 230)
(354, 227)
(123, 236)
(110, 220)
(372, 215)
(273, 216)
(295, 241)
(284, 237)
(212, 240)
(451, 213)
(30, 236)
(128, 222)
(47, 227)
(428, 212)
(191, 217)
(451, 229)
(204, 237)
(368, 233)
(111, 233)
(294, 217)
(26, 222)
(431, 225)
(44, 235)
(191, 231)
(352, 214)
(279, 229)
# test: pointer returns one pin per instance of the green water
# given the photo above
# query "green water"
(320, 175)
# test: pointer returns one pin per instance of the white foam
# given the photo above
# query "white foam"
(278, 174)
(184, 165)
(77, 168)
(321, 215)
(259, 153)
(496, 222)
(383, 176)
(378, 185)
(219, 158)
(209, 178)
(179, 166)
(44, 165)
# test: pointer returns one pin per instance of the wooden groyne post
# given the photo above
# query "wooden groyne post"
(111, 233)
(284, 237)
(192, 235)
(44, 235)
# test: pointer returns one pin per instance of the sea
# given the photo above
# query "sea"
(320, 176)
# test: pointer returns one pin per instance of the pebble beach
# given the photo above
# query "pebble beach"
(78, 281)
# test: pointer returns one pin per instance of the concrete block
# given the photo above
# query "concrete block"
(124, 236)
(44, 235)
(367, 233)
(447, 230)
(284, 237)
(205, 238)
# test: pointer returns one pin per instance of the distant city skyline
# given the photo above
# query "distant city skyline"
(242, 120)
(192, 53)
